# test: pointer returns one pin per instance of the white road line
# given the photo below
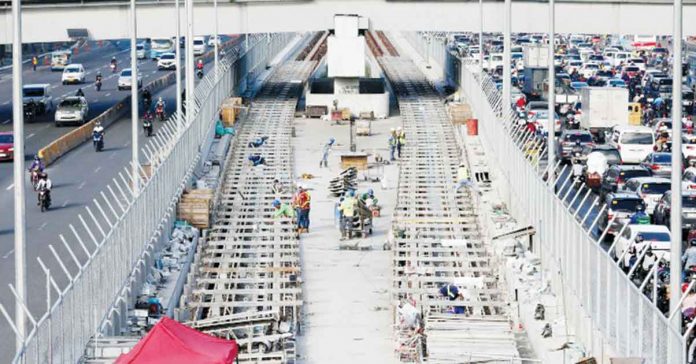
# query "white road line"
(6, 102)
(7, 121)
(97, 169)
(108, 94)
(65, 203)
(30, 136)
(9, 187)
(43, 226)
(81, 185)
(8, 254)
(127, 144)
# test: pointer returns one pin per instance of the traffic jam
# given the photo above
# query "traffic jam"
(613, 137)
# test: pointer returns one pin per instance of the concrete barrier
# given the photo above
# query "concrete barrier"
(73, 139)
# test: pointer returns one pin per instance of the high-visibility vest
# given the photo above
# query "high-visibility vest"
(348, 206)
(463, 173)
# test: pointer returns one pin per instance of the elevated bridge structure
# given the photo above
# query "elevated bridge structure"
(110, 20)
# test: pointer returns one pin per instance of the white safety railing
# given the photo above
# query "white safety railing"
(111, 248)
(583, 271)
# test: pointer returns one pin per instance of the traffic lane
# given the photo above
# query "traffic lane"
(74, 188)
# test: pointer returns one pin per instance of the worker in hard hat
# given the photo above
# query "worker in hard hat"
(324, 162)
(282, 209)
(464, 179)
(393, 141)
(347, 209)
(400, 140)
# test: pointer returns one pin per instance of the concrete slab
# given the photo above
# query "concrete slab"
(347, 312)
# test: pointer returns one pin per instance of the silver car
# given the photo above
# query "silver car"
(72, 110)
(125, 79)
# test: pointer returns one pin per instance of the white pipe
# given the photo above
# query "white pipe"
(190, 63)
(135, 119)
(552, 88)
(178, 66)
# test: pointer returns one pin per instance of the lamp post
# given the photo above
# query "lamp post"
(135, 79)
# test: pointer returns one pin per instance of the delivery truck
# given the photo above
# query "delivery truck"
(602, 109)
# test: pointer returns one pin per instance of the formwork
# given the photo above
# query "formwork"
(439, 239)
(246, 284)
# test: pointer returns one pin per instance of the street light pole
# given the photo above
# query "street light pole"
(177, 48)
(134, 98)
(551, 124)
(190, 62)
(18, 156)
(215, 48)
(507, 44)
(676, 220)
(480, 42)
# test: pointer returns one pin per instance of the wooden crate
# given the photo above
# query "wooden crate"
(316, 111)
(229, 110)
(460, 113)
(195, 207)
(357, 160)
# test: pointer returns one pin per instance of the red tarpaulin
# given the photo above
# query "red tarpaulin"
(171, 342)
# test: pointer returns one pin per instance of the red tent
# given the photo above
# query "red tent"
(171, 342)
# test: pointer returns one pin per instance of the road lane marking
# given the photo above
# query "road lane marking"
(65, 203)
(43, 226)
(81, 185)
(6, 102)
(30, 136)
(8, 254)
(9, 187)
(7, 121)
(96, 170)
(113, 154)
(108, 94)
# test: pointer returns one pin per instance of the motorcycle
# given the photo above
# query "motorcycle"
(113, 67)
(98, 141)
(159, 111)
(98, 84)
(44, 200)
(29, 111)
(147, 126)
(34, 177)
(578, 169)
(199, 73)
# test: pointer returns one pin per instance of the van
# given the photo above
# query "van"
(198, 46)
(633, 142)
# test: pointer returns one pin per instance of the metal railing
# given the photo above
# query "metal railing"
(583, 271)
(111, 247)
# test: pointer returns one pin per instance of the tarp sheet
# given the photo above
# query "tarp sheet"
(171, 342)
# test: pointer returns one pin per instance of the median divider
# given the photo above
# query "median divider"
(73, 139)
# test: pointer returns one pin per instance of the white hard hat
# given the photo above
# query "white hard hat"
(393, 129)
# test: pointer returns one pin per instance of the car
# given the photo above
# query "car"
(596, 166)
(616, 176)
(578, 85)
(40, 95)
(688, 146)
(142, 51)
(574, 65)
(663, 209)
(589, 69)
(541, 119)
(620, 206)
(651, 75)
(616, 82)
(631, 71)
(619, 58)
(660, 163)
(73, 73)
(650, 189)
(689, 179)
(125, 79)
(637, 62)
(6, 146)
(534, 106)
(198, 46)
(567, 140)
(167, 61)
(657, 237)
(634, 142)
(212, 40)
(72, 110)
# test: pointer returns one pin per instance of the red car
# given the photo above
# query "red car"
(6, 146)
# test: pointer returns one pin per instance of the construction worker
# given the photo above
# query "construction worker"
(34, 62)
(452, 293)
(400, 140)
(393, 141)
(282, 209)
(347, 209)
(325, 154)
(257, 159)
(303, 204)
(464, 178)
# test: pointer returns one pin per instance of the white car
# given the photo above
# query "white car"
(496, 60)
(620, 57)
(198, 46)
(141, 51)
(125, 79)
(638, 62)
(589, 69)
(72, 110)
(634, 142)
(211, 41)
(73, 73)
(689, 146)
(167, 61)
(655, 236)
(650, 190)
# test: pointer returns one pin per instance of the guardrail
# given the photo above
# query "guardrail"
(121, 231)
(586, 274)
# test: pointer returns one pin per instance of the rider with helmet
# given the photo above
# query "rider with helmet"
(640, 217)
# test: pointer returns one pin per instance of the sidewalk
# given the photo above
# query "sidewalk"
(347, 311)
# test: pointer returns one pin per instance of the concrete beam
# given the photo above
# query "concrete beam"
(109, 21)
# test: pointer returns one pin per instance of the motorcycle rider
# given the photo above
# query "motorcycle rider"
(80, 93)
(37, 164)
(199, 65)
(147, 99)
(44, 185)
(97, 131)
(98, 80)
(113, 64)
(159, 108)
(148, 117)
(640, 217)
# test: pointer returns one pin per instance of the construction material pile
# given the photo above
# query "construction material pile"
(346, 180)
(195, 207)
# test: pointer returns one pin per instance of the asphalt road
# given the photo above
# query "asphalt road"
(78, 178)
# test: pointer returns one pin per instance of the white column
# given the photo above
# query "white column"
(507, 44)
(178, 66)
(134, 97)
(19, 208)
(551, 125)
(190, 62)
(215, 48)
(481, 34)
(676, 220)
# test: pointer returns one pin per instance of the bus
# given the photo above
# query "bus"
(60, 59)
(160, 46)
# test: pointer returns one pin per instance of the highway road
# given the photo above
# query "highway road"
(78, 178)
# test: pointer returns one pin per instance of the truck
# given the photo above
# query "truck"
(534, 80)
(536, 55)
(602, 109)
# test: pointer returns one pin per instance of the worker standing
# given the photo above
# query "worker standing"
(304, 200)
(400, 140)
(347, 209)
(325, 154)
(393, 141)
(34, 62)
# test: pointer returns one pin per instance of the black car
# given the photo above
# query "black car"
(663, 208)
(616, 175)
(619, 206)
